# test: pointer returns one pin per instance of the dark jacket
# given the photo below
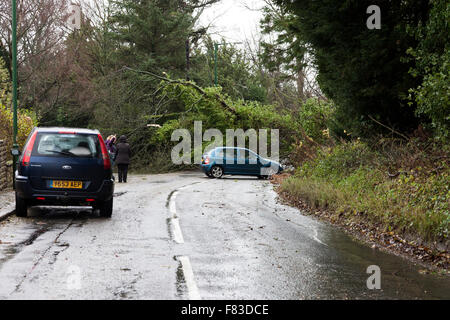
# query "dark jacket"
(123, 151)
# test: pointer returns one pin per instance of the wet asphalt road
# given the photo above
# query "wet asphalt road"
(184, 236)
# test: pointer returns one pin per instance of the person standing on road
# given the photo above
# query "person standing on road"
(123, 156)
(110, 145)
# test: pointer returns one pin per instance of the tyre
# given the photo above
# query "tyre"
(21, 207)
(106, 208)
(217, 172)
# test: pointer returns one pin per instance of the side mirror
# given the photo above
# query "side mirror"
(16, 152)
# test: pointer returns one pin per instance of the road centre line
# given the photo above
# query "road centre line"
(189, 278)
(176, 231)
(174, 220)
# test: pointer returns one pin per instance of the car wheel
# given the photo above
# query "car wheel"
(106, 208)
(217, 172)
(21, 207)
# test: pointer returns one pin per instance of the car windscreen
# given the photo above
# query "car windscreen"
(67, 145)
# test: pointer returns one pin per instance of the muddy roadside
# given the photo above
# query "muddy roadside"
(432, 259)
(7, 203)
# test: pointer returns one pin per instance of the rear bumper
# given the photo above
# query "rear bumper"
(25, 191)
(206, 168)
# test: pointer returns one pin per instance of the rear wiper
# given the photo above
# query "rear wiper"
(66, 153)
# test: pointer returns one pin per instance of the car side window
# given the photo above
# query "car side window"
(218, 153)
(230, 155)
(251, 157)
(242, 156)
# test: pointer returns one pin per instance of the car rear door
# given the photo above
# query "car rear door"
(252, 167)
(230, 161)
(66, 161)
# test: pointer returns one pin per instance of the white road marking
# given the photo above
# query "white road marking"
(174, 221)
(173, 204)
(317, 239)
(178, 238)
(189, 278)
(176, 230)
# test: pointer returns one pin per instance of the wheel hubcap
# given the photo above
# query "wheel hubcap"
(217, 172)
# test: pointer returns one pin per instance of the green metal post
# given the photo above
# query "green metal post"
(216, 49)
(14, 79)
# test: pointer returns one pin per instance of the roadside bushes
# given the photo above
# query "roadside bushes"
(432, 58)
(314, 117)
(26, 121)
(355, 182)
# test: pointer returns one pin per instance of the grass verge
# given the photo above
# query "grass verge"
(395, 193)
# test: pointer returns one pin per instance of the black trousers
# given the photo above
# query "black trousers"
(123, 172)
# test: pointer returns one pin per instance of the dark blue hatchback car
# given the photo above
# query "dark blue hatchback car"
(64, 167)
(238, 161)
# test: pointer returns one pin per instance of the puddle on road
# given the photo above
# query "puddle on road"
(10, 250)
(44, 219)
(43, 229)
(119, 194)
(346, 261)
(159, 182)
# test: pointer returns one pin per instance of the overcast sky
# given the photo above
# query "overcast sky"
(236, 20)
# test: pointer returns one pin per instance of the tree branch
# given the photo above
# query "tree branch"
(185, 83)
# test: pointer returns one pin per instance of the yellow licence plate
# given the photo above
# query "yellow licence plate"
(67, 184)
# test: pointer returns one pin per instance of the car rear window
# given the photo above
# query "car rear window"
(67, 145)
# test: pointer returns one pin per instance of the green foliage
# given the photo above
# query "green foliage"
(314, 117)
(26, 121)
(343, 160)
(361, 70)
(5, 85)
(208, 106)
(236, 74)
(286, 53)
(432, 57)
(352, 180)
(152, 34)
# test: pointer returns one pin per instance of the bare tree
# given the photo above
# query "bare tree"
(41, 31)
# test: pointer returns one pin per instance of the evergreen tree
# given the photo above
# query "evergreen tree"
(151, 34)
(362, 70)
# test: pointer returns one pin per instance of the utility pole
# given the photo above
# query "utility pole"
(216, 51)
(15, 147)
(188, 59)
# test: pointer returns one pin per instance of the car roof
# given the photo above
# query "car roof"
(60, 129)
(231, 148)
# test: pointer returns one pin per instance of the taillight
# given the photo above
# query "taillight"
(28, 150)
(105, 154)
(207, 161)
